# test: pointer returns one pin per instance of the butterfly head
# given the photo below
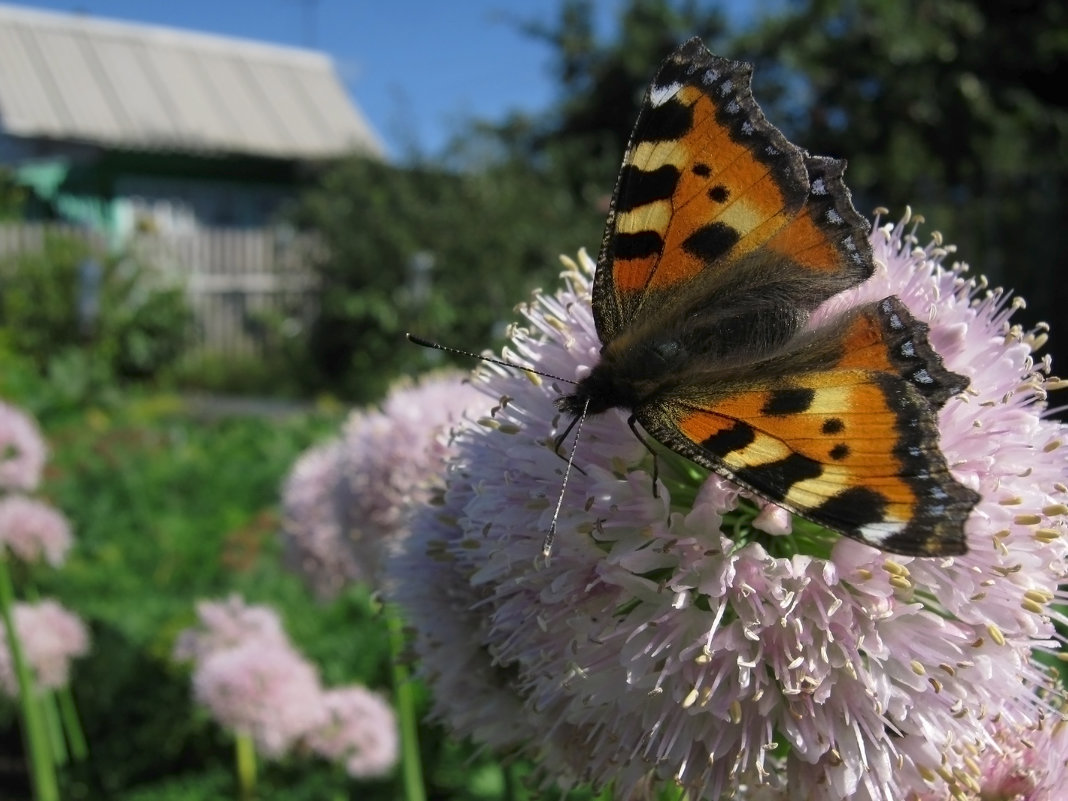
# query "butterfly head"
(630, 372)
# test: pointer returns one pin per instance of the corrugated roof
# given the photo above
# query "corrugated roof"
(76, 78)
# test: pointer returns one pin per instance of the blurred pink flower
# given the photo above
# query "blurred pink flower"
(361, 732)
(33, 530)
(311, 525)
(672, 640)
(229, 624)
(254, 682)
(22, 450)
(264, 689)
(51, 637)
(345, 501)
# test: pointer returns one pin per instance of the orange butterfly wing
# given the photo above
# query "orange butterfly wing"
(848, 440)
(706, 182)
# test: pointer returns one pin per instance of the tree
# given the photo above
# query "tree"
(443, 254)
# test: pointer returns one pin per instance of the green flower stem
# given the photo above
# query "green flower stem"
(404, 694)
(34, 727)
(512, 782)
(72, 725)
(50, 711)
(245, 764)
(68, 712)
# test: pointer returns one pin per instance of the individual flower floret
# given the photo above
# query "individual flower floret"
(684, 636)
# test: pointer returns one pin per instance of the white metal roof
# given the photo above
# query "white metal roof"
(75, 78)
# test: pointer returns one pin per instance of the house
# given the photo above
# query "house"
(123, 127)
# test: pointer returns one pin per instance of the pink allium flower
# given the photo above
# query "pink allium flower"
(229, 624)
(361, 732)
(1023, 763)
(51, 637)
(263, 689)
(22, 450)
(33, 530)
(346, 501)
(674, 639)
(311, 525)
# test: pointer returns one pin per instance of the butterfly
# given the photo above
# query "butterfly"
(721, 240)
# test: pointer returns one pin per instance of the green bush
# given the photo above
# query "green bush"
(117, 313)
(443, 254)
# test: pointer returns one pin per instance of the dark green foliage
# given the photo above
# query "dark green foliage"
(12, 196)
(130, 324)
(443, 254)
(602, 83)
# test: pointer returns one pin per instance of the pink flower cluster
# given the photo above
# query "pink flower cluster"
(30, 530)
(51, 638)
(254, 682)
(359, 733)
(33, 530)
(679, 639)
(345, 501)
(1021, 763)
(22, 450)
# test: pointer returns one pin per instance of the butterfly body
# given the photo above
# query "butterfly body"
(723, 238)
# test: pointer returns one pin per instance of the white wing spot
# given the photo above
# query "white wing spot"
(878, 533)
(733, 107)
(818, 187)
(834, 217)
(659, 95)
(747, 128)
(726, 87)
(908, 349)
(895, 322)
(709, 77)
(923, 377)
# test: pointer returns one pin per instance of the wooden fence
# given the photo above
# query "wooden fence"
(245, 286)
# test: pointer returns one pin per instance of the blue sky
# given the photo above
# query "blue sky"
(417, 68)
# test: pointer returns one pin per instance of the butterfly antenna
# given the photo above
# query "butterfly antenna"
(547, 543)
(426, 343)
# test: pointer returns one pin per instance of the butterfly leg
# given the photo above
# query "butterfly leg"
(632, 421)
(559, 440)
